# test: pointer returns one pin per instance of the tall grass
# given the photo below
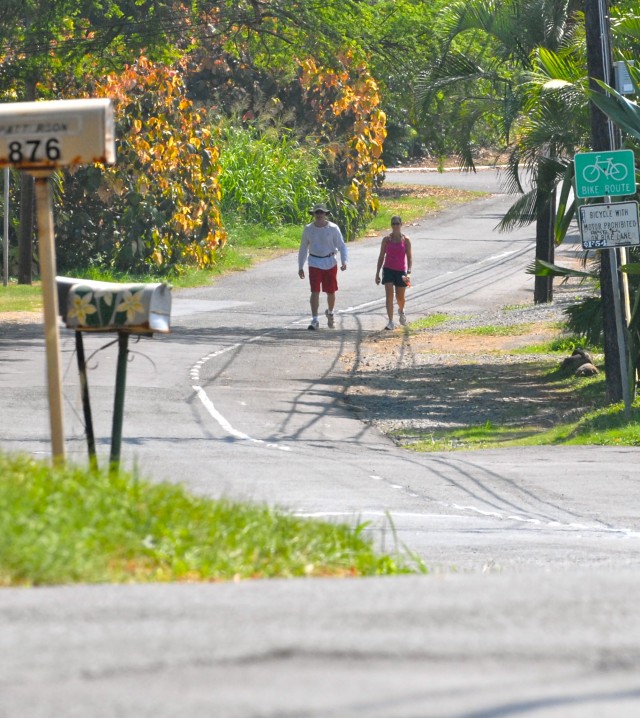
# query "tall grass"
(66, 525)
(267, 178)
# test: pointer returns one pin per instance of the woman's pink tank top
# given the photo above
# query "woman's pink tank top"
(395, 256)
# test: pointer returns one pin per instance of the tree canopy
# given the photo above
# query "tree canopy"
(359, 84)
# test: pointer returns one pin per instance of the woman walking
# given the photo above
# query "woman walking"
(395, 261)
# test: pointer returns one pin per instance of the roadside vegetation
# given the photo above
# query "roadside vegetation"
(20, 297)
(543, 404)
(67, 524)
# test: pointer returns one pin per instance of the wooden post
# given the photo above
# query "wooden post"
(50, 299)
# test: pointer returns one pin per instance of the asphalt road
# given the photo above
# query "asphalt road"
(530, 604)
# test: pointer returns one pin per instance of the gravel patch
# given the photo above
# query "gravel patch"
(449, 377)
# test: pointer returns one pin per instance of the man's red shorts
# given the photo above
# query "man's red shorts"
(325, 278)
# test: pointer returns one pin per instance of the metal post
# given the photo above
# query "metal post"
(118, 406)
(5, 244)
(620, 326)
(86, 404)
(624, 370)
(50, 300)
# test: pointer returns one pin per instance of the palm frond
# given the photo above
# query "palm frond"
(564, 212)
(540, 268)
(521, 212)
(628, 26)
(630, 268)
(623, 112)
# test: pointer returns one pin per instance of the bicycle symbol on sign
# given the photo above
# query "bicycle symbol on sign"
(615, 171)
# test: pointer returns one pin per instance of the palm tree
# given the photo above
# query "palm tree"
(554, 125)
(514, 33)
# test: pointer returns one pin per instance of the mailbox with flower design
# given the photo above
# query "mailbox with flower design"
(110, 307)
(90, 306)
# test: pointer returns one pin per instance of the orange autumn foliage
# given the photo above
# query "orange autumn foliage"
(158, 206)
(351, 130)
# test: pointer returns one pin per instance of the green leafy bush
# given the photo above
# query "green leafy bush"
(267, 178)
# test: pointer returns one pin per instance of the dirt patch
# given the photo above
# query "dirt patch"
(400, 191)
(437, 380)
(20, 317)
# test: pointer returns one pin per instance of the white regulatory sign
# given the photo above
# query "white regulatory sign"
(609, 225)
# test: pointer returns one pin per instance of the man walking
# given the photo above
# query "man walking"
(321, 240)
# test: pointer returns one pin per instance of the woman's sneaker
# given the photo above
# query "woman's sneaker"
(313, 325)
(403, 318)
(390, 325)
(330, 319)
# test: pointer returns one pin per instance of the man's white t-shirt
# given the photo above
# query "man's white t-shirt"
(321, 245)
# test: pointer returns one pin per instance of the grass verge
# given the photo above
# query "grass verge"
(606, 426)
(65, 525)
(20, 297)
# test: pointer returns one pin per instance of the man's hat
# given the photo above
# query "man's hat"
(319, 208)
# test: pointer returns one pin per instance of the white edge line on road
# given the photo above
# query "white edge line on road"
(215, 414)
(497, 256)
(211, 409)
(626, 533)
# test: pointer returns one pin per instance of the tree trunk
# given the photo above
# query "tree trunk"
(545, 249)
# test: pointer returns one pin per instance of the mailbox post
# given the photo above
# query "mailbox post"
(91, 306)
(39, 138)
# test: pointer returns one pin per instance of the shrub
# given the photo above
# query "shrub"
(158, 207)
(267, 177)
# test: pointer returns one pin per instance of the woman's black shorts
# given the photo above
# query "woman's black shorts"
(393, 276)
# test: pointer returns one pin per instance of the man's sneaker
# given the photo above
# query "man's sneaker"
(390, 325)
(330, 320)
(403, 318)
(315, 324)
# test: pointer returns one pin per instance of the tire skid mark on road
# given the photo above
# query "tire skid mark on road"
(466, 509)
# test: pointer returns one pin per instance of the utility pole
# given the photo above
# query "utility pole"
(27, 210)
(600, 67)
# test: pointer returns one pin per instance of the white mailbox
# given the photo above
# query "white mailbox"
(58, 133)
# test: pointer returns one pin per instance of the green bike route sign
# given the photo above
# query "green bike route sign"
(605, 174)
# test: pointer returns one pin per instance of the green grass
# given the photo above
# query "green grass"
(565, 344)
(496, 331)
(257, 237)
(20, 297)
(606, 426)
(429, 322)
(65, 524)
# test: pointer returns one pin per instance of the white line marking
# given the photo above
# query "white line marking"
(416, 515)
(215, 414)
(194, 375)
(628, 533)
(498, 256)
